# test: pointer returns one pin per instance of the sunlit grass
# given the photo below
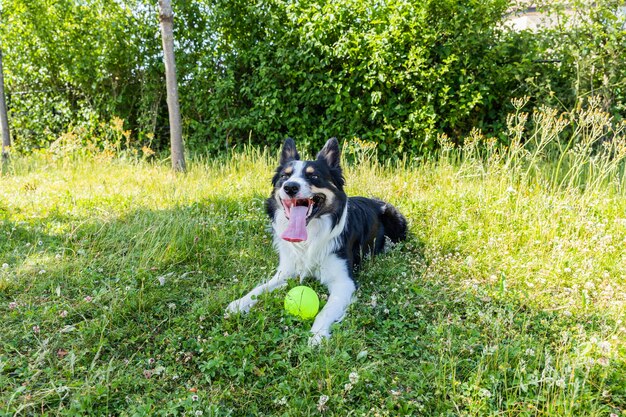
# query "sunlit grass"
(508, 299)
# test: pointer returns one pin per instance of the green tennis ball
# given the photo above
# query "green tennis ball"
(302, 302)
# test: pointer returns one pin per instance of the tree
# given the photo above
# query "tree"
(110, 65)
(4, 121)
(176, 140)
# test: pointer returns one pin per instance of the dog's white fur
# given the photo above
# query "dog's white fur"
(340, 231)
(314, 257)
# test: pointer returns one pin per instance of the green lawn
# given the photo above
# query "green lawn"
(508, 300)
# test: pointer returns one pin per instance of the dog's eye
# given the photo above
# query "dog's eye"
(284, 176)
(313, 176)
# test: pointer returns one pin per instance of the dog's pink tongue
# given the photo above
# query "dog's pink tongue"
(296, 229)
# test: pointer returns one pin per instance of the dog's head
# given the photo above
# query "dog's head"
(307, 190)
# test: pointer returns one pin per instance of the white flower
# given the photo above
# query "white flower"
(5, 265)
(354, 377)
(347, 387)
(484, 392)
(374, 300)
(490, 350)
(321, 404)
(605, 347)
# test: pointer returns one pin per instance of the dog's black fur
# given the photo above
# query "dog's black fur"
(339, 230)
(370, 222)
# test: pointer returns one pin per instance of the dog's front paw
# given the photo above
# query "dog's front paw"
(317, 338)
(242, 305)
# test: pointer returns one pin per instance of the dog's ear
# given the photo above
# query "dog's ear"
(330, 153)
(289, 152)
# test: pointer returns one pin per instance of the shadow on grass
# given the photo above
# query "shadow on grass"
(103, 289)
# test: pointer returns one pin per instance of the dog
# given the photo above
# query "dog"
(321, 232)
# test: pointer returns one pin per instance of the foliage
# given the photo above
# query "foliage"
(577, 55)
(397, 73)
(70, 63)
(392, 72)
(104, 141)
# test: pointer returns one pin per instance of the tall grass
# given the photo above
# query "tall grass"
(508, 299)
(581, 150)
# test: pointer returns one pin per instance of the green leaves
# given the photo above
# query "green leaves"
(397, 73)
(392, 73)
(70, 62)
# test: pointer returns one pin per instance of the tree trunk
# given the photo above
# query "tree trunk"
(4, 120)
(166, 18)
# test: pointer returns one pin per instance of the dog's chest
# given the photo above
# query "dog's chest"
(306, 258)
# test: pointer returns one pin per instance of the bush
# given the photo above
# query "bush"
(395, 73)
(579, 56)
(69, 62)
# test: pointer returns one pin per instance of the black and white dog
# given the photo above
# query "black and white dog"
(320, 232)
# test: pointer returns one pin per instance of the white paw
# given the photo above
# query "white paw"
(318, 338)
(241, 305)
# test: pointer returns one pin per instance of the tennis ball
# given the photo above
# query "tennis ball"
(302, 301)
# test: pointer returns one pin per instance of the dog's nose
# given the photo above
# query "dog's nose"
(291, 188)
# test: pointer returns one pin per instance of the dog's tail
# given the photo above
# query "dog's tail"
(395, 224)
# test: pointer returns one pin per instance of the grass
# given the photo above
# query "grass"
(508, 300)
